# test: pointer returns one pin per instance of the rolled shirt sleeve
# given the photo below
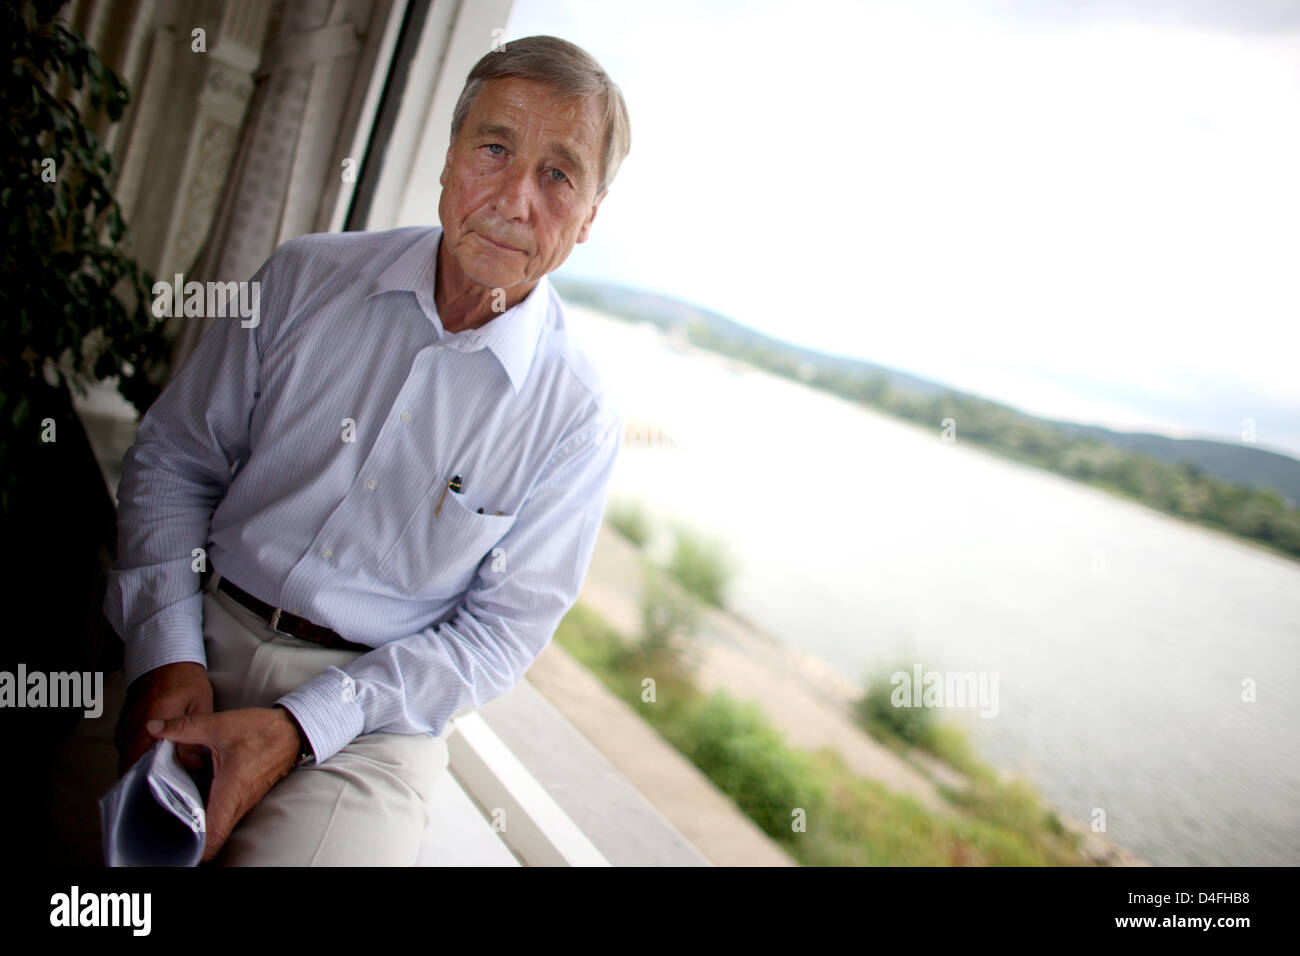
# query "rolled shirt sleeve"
(522, 589)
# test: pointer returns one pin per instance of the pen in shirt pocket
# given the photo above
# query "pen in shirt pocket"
(455, 486)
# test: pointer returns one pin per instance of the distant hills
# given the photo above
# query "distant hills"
(1240, 464)
(670, 314)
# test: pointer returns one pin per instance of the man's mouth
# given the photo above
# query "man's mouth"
(499, 245)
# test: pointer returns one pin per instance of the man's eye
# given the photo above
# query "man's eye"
(558, 176)
(493, 146)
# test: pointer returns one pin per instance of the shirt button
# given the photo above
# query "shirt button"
(293, 610)
(440, 347)
(372, 484)
(326, 552)
(406, 416)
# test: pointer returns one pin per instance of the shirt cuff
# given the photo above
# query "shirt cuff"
(326, 709)
(168, 640)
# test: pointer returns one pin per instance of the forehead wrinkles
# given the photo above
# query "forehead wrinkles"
(536, 114)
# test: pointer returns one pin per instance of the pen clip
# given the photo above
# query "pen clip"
(453, 485)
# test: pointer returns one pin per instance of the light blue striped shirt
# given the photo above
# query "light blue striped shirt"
(308, 454)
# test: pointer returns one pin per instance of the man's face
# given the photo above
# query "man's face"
(519, 184)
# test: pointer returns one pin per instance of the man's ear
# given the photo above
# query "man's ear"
(586, 226)
(446, 165)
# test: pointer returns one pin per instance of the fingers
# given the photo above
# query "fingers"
(186, 729)
(226, 807)
(251, 750)
(162, 694)
(192, 734)
(191, 756)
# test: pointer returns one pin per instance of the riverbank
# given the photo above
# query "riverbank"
(811, 708)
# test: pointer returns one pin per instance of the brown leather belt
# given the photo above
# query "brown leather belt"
(291, 624)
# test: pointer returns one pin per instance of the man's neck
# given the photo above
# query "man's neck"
(463, 303)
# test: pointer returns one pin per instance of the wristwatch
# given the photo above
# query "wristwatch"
(306, 756)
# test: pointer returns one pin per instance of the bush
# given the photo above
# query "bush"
(953, 746)
(668, 622)
(590, 639)
(629, 520)
(876, 713)
(699, 566)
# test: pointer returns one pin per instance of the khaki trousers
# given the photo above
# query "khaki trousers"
(365, 806)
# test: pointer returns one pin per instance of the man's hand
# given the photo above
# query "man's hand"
(173, 690)
(252, 749)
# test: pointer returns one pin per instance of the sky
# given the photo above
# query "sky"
(1089, 211)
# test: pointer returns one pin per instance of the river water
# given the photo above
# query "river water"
(1125, 642)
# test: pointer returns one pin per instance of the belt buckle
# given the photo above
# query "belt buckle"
(274, 624)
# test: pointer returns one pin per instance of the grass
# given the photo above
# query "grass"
(848, 820)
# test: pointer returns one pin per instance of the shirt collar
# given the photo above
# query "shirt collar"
(512, 336)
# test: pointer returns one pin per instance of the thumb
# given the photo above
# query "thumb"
(189, 729)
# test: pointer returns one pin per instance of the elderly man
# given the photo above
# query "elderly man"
(398, 475)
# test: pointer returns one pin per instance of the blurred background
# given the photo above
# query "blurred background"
(1060, 236)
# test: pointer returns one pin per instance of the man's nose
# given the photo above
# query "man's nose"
(514, 194)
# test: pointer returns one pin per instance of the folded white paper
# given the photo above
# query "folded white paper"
(154, 815)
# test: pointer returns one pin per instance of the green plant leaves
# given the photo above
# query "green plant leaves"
(61, 254)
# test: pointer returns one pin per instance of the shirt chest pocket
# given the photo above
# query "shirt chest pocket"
(441, 547)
